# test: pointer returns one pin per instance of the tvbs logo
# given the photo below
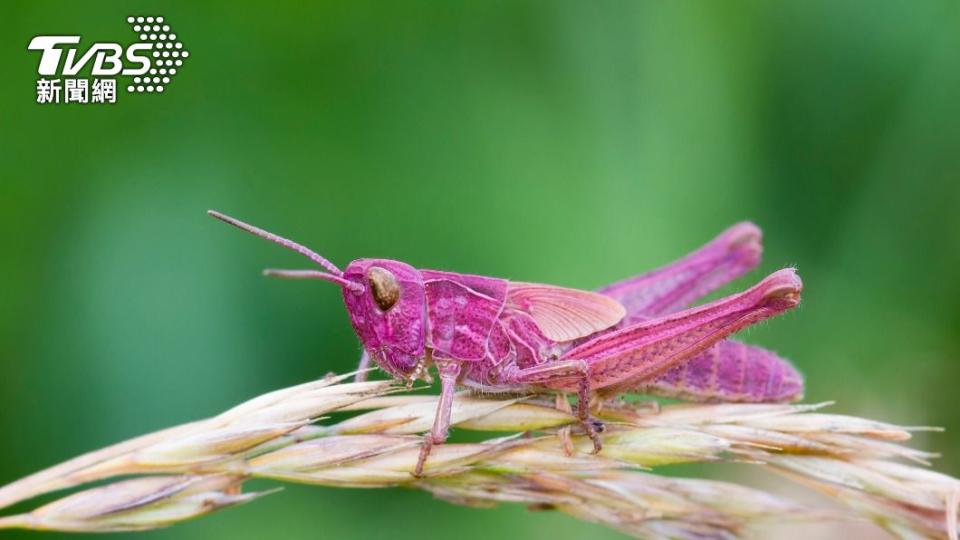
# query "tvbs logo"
(151, 62)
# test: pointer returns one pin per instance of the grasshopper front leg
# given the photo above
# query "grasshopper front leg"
(362, 367)
(449, 371)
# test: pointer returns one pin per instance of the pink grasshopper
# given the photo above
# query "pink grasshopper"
(496, 335)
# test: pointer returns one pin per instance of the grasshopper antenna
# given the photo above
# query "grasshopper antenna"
(297, 274)
(289, 244)
(335, 275)
(313, 274)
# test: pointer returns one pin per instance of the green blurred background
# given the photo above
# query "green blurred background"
(566, 142)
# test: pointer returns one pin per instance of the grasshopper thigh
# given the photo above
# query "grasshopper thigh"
(674, 286)
(623, 359)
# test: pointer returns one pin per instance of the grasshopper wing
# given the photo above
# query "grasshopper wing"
(565, 314)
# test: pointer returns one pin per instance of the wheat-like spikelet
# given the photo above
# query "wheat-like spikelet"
(196, 468)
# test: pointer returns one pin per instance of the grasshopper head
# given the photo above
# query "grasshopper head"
(385, 300)
(389, 314)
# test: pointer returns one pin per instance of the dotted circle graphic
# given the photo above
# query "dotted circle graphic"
(167, 51)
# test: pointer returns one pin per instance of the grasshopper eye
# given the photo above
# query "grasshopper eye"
(383, 287)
